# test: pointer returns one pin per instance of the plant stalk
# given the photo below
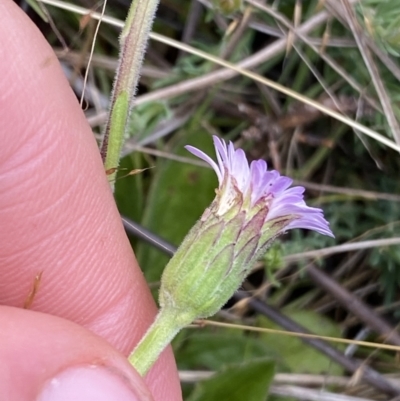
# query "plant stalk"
(133, 41)
(166, 325)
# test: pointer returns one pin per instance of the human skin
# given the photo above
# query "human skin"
(58, 219)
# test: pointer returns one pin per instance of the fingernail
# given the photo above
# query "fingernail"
(89, 383)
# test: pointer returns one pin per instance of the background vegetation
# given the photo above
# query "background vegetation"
(342, 54)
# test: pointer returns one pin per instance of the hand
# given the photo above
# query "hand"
(58, 219)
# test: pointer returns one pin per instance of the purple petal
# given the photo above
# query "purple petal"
(221, 151)
(318, 224)
(207, 159)
(280, 185)
(258, 184)
(240, 169)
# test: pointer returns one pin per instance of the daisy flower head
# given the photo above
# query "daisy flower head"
(252, 187)
(251, 208)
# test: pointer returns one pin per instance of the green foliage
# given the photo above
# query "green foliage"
(294, 355)
(228, 6)
(248, 381)
(145, 118)
(382, 20)
(387, 260)
(188, 66)
(212, 350)
(273, 262)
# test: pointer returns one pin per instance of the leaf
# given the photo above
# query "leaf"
(248, 381)
(300, 357)
(212, 350)
(145, 118)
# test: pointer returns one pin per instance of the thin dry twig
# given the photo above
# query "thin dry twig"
(352, 192)
(349, 247)
(365, 372)
(193, 376)
(306, 394)
(292, 379)
(353, 304)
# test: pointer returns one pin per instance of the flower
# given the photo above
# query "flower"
(252, 207)
(253, 186)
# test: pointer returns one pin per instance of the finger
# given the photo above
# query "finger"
(58, 360)
(57, 214)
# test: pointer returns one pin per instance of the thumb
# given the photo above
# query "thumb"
(57, 360)
(57, 213)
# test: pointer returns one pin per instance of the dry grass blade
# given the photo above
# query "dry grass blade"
(352, 246)
(332, 63)
(306, 394)
(290, 380)
(92, 52)
(231, 71)
(320, 343)
(299, 335)
(373, 70)
(353, 304)
(351, 192)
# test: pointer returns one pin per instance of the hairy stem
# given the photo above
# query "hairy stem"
(133, 42)
(164, 328)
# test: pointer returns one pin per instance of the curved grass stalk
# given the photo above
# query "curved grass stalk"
(367, 344)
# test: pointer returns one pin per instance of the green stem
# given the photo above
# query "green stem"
(133, 42)
(164, 328)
